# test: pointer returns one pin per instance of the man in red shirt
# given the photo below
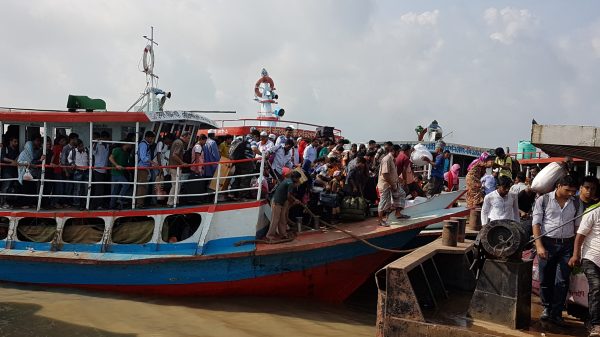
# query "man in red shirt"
(403, 164)
(301, 146)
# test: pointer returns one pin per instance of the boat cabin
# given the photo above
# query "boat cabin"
(200, 226)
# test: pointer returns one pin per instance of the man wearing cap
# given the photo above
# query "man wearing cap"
(289, 134)
(263, 145)
(211, 154)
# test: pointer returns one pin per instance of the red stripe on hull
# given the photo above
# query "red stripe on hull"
(332, 283)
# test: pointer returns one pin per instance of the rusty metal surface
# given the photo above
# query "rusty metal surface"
(503, 294)
(398, 327)
(401, 300)
(568, 140)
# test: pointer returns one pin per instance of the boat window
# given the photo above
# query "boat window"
(10, 131)
(36, 229)
(133, 230)
(178, 227)
(130, 131)
(83, 230)
(4, 224)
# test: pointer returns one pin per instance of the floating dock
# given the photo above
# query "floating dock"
(428, 293)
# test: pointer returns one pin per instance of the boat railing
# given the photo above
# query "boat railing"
(528, 155)
(278, 123)
(179, 180)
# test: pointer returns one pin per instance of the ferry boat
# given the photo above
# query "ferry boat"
(207, 248)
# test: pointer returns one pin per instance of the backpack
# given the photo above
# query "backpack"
(354, 208)
(152, 150)
(64, 156)
(187, 158)
(515, 167)
(576, 203)
(237, 150)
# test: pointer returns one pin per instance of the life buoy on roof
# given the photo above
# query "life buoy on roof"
(264, 79)
(148, 59)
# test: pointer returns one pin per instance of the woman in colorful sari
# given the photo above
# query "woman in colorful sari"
(477, 169)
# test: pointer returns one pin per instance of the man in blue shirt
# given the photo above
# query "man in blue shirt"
(436, 182)
(144, 164)
(211, 154)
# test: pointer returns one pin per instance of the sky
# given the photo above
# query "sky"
(374, 69)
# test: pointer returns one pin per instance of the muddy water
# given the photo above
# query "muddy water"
(33, 311)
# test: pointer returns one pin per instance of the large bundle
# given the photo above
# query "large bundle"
(354, 208)
(417, 156)
(546, 180)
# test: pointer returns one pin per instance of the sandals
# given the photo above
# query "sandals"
(384, 223)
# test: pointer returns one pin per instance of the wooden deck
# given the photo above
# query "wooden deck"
(366, 229)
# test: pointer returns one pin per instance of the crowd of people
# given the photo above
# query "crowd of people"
(324, 174)
(330, 166)
(564, 224)
(319, 173)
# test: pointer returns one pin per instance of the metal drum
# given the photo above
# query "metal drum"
(503, 239)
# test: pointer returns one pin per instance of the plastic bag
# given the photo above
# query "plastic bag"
(578, 289)
(159, 188)
(545, 180)
(27, 176)
(417, 156)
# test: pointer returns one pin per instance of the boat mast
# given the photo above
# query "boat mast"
(264, 94)
(150, 101)
(149, 70)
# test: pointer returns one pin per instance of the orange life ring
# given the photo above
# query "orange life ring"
(264, 79)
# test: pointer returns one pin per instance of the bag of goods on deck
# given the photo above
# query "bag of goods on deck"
(417, 156)
(546, 180)
(354, 208)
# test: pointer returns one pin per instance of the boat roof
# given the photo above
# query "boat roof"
(458, 149)
(60, 116)
(567, 140)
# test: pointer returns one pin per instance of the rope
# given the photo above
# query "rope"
(358, 238)
(588, 210)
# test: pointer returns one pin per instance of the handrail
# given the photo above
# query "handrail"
(177, 181)
(244, 120)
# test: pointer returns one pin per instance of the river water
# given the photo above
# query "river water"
(36, 311)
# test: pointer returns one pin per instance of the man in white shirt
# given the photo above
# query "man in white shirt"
(310, 154)
(554, 223)
(519, 183)
(587, 253)
(79, 158)
(500, 204)
(283, 158)
(289, 134)
(263, 145)
(100, 155)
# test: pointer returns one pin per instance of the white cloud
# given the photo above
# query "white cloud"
(374, 69)
(428, 18)
(509, 23)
